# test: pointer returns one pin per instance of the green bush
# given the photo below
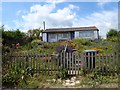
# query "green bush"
(15, 78)
(36, 42)
(82, 41)
(94, 79)
(5, 49)
(114, 39)
(63, 74)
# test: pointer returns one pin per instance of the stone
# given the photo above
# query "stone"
(77, 82)
(67, 81)
(73, 78)
(63, 81)
(67, 84)
(59, 80)
(53, 80)
(48, 80)
(97, 83)
(72, 84)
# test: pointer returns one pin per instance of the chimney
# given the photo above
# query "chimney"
(44, 24)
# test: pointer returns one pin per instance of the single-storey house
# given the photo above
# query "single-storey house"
(56, 34)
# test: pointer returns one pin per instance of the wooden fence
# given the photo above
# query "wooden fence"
(48, 64)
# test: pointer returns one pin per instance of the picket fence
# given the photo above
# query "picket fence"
(51, 64)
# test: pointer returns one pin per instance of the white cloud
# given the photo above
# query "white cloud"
(66, 17)
(104, 20)
(39, 13)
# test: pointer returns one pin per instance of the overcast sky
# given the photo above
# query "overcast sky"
(30, 15)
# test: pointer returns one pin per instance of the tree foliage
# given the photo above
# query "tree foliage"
(112, 33)
(11, 37)
(35, 33)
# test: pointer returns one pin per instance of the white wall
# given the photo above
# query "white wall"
(44, 37)
(95, 34)
(76, 34)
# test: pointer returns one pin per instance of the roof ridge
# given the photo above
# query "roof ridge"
(74, 27)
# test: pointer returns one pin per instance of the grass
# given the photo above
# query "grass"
(80, 45)
(99, 80)
(85, 81)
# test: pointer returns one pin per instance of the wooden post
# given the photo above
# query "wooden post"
(64, 60)
(70, 62)
(88, 61)
(37, 64)
(75, 62)
(102, 63)
(48, 64)
(106, 63)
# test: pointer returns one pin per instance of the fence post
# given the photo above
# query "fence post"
(61, 59)
(75, 62)
(64, 60)
(83, 60)
(106, 63)
(36, 64)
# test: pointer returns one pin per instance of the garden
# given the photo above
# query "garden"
(18, 62)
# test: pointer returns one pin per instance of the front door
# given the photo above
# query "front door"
(72, 35)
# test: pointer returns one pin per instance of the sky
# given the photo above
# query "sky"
(30, 15)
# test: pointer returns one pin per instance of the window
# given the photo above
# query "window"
(81, 34)
(85, 33)
(90, 33)
(64, 35)
(52, 36)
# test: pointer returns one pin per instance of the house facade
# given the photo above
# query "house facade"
(56, 34)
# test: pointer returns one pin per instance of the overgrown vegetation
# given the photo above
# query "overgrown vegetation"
(31, 42)
(95, 80)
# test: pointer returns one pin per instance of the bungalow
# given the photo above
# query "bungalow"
(56, 34)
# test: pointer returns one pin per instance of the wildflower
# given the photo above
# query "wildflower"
(22, 77)
(17, 44)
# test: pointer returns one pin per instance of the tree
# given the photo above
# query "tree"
(112, 33)
(13, 37)
(35, 33)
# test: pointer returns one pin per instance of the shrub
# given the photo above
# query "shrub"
(36, 42)
(112, 33)
(82, 41)
(114, 39)
(97, 49)
(5, 49)
(15, 78)
(63, 74)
